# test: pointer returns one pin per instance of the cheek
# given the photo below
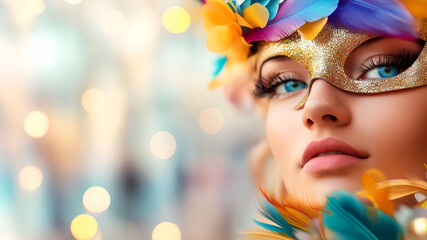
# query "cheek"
(282, 129)
(396, 124)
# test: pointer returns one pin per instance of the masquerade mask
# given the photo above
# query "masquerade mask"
(325, 57)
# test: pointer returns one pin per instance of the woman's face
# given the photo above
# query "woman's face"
(329, 143)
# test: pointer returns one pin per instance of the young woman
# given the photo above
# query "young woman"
(344, 90)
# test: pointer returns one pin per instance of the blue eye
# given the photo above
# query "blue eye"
(382, 72)
(291, 86)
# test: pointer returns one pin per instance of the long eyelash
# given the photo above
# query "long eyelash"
(266, 86)
(403, 60)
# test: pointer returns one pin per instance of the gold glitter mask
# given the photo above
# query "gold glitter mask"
(325, 57)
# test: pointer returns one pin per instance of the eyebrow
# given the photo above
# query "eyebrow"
(274, 58)
(270, 59)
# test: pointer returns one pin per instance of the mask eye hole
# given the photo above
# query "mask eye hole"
(381, 58)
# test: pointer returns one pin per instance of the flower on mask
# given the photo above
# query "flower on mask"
(225, 23)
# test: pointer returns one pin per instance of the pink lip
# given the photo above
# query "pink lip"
(348, 155)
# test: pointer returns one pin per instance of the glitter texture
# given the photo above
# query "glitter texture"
(325, 56)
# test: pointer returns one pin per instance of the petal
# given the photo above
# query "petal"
(310, 30)
(239, 50)
(256, 15)
(242, 22)
(222, 37)
(217, 13)
(218, 82)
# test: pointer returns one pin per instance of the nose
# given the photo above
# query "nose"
(325, 106)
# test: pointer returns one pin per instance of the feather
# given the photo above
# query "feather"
(263, 235)
(416, 7)
(403, 187)
(292, 15)
(383, 17)
(219, 65)
(272, 7)
(297, 213)
(310, 30)
(379, 197)
(349, 219)
(272, 214)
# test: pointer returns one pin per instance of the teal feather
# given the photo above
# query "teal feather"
(245, 4)
(273, 7)
(271, 213)
(350, 219)
(219, 65)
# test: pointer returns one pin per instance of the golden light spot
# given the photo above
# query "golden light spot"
(73, 1)
(96, 199)
(35, 7)
(93, 100)
(30, 178)
(36, 124)
(112, 21)
(211, 121)
(162, 145)
(84, 227)
(176, 19)
(419, 226)
(166, 231)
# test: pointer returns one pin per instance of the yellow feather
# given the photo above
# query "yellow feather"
(263, 235)
(378, 196)
(416, 7)
(403, 187)
(310, 30)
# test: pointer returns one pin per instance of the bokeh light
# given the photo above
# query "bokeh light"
(36, 124)
(163, 145)
(73, 1)
(112, 21)
(166, 231)
(211, 121)
(42, 51)
(419, 226)
(30, 178)
(141, 31)
(176, 19)
(84, 226)
(93, 100)
(35, 7)
(96, 199)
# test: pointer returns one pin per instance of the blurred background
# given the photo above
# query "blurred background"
(108, 129)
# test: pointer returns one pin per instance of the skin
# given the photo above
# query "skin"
(390, 128)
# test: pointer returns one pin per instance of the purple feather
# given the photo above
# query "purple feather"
(383, 17)
(292, 15)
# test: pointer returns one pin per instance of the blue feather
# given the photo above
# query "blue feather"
(349, 219)
(219, 65)
(271, 213)
(246, 4)
(384, 17)
(292, 15)
(275, 228)
(273, 7)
